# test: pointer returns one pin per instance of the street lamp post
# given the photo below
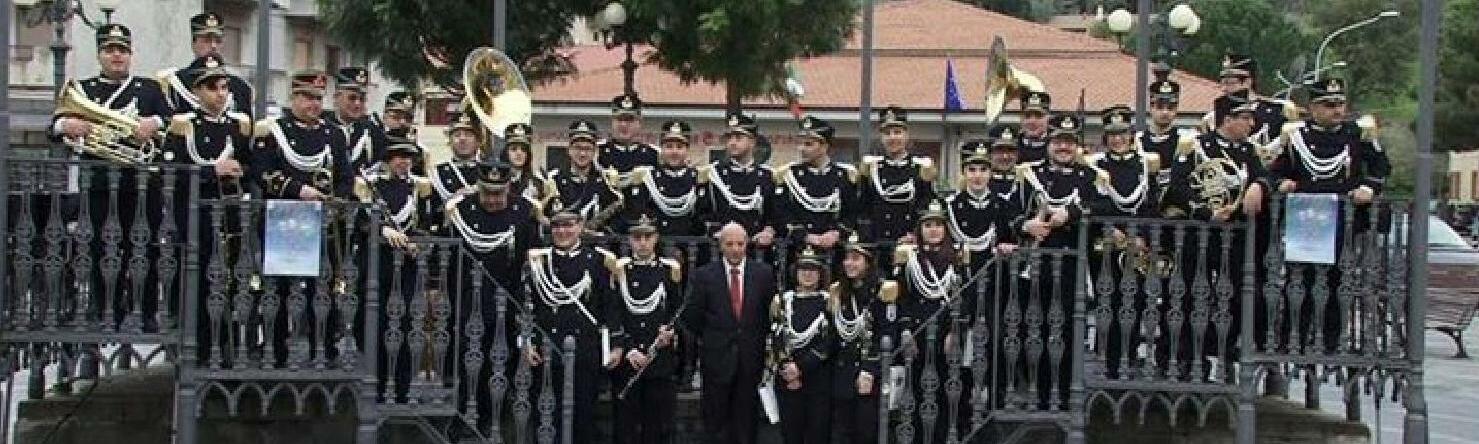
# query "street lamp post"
(613, 18)
(59, 13)
(1181, 20)
(1320, 52)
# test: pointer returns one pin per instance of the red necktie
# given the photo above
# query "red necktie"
(736, 294)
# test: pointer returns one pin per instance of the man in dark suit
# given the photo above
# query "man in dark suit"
(731, 319)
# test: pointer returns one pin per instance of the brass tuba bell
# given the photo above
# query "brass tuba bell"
(110, 128)
(496, 91)
(1004, 81)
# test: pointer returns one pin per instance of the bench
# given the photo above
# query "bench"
(1450, 311)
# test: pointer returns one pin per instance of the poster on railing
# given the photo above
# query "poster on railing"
(1310, 221)
(294, 234)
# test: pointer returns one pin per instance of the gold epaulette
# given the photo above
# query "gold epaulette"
(620, 268)
(610, 175)
(852, 172)
(1152, 162)
(776, 307)
(1370, 127)
(264, 128)
(537, 254)
(1101, 177)
(1093, 158)
(780, 176)
(927, 169)
(834, 297)
(902, 253)
(609, 259)
(702, 173)
(1291, 110)
(243, 122)
(675, 268)
(422, 186)
(888, 291)
(182, 125)
(362, 190)
(868, 165)
(965, 256)
(639, 175)
(163, 76)
(1185, 146)
(1209, 121)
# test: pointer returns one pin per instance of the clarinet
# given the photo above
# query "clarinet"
(652, 351)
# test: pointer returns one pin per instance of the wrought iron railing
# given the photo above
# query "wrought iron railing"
(1149, 316)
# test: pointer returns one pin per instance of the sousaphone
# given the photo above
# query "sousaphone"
(1004, 81)
(496, 91)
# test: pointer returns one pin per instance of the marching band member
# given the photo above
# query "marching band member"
(651, 294)
(452, 176)
(801, 351)
(862, 310)
(1161, 136)
(929, 273)
(206, 33)
(527, 181)
(366, 139)
(622, 153)
(582, 187)
(572, 296)
(1060, 187)
(977, 215)
(896, 186)
(674, 195)
(816, 197)
(300, 155)
(1032, 141)
(1125, 175)
(396, 119)
(1240, 179)
(739, 186)
(1239, 76)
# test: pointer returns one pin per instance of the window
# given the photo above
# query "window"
(231, 45)
(439, 110)
(331, 59)
(555, 157)
(302, 53)
(31, 40)
(1474, 185)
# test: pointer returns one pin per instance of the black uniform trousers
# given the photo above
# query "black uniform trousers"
(646, 415)
(806, 413)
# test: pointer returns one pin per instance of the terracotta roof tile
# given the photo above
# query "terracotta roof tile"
(914, 38)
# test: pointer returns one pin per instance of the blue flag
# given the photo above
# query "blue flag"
(952, 90)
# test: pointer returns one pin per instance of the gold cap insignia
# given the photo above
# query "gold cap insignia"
(675, 128)
(211, 62)
(734, 121)
(889, 115)
(1007, 134)
(1067, 124)
(319, 82)
(518, 131)
(806, 124)
(582, 126)
(464, 119)
(1334, 86)
(1034, 100)
(1167, 88)
(1116, 119)
(211, 21)
(626, 102)
(116, 32)
(494, 174)
(362, 78)
(1227, 61)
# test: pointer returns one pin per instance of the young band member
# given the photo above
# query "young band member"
(572, 296)
(206, 32)
(801, 350)
(671, 193)
(460, 172)
(1239, 76)
(929, 273)
(859, 306)
(895, 187)
(977, 215)
(816, 197)
(300, 156)
(582, 187)
(1032, 141)
(1161, 136)
(740, 187)
(623, 153)
(651, 295)
(527, 181)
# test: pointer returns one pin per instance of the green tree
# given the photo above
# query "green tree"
(395, 33)
(743, 43)
(1378, 56)
(1457, 117)
(1251, 27)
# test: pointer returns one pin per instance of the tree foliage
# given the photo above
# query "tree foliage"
(1378, 56)
(1457, 117)
(395, 32)
(743, 43)
(1252, 27)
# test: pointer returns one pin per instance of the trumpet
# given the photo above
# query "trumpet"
(112, 134)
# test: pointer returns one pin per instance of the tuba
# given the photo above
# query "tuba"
(496, 91)
(1004, 81)
(110, 129)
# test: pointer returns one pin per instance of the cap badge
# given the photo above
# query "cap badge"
(626, 102)
(1034, 100)
(1007, 134)
(517, 131)
(211, 21)
(115, 32)
(734, 121)
(1167, 88)
(1334, 86)
(806, 124)
(362, 78)
(211, 62)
